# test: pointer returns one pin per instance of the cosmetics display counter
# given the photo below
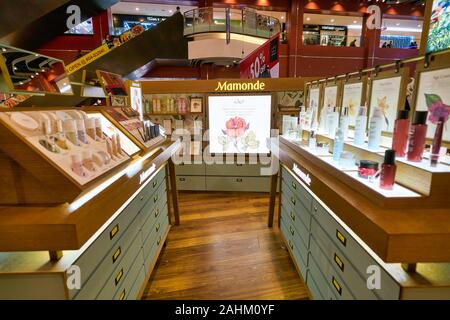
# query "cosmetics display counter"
(88, 192)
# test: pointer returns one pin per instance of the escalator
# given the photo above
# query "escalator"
(131, 60)
(28, 24)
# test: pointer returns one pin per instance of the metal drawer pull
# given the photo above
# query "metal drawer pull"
(118, 277)
(155, 199)
(159, 241)
(238, 164)
(116, 254)
(294, 185)
(339, 262)
(141, 198)
(158, 226)
(182, 179)
(114, 231)
(315, 209)
(122, 295)
(156, 213)
(341, 238)
(293, 200)
(291, 245)
(292, 216)
(239, 180)
(291, 230)
(155, 183)
(337, 286)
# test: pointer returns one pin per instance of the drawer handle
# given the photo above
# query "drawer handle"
(122, 295)
(238, 164)
(118, 277)
(291, 230)
(114, 231)
(158, 227)
(116, 254)
(315, 209)
(156, 213)
(337, 286)
(339, 262)
(182, 179)
(291, 245)
(155, 199)
(141, 198)
(292, 216)
(159, 241)
(341, 237)
(155, 183)
(294, 185)
(239, 180)
(293, 200)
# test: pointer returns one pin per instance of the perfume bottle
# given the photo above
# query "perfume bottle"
(338, 145)
(345, 122)
(332, 122)
(360, 126)
(88, 162)
(70, 130)
(90, 128)
(312, 140)
(401, 131)
(60, 138)
(99, 129)
(388, 169)
(417, 136)
(81, 131)
(375, 127)
(437, 140)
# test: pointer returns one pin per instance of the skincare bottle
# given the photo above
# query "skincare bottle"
(338, 144)
(437, 140)
(99, 129)
(60, 139)
(388, 168)
(417, 136)
(119, 145)
(323, 119)
(81, 131)
(302, 117)
(375, 127)
(312, 141)
(48, 141)
(360, 126)
(70, 129)
(88, 163)
(401, 131)
(77, 165)
(90, 128)
(114, 146)
(345, 122)
(109, 148)
(332, 122)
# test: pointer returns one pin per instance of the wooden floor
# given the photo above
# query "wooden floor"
(223, 249)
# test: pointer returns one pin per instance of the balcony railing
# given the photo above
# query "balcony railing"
(247, 22)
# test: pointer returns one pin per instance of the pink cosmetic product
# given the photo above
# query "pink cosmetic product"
(88, 162)
(77, 165)
(81, 131)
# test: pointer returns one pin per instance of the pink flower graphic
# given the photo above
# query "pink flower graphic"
(235, 127)
(438, 110)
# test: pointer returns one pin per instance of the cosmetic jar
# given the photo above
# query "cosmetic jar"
(367, 168)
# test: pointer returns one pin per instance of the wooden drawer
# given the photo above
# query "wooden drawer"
(298, 213)
(350, 248)
(191, 183)
(244, 170)
(296, 189)
(298, 251)
(152, 211)
(190, 169)
(154, 184)
(98, 278)
(340, 263)
(319, 280)
(130, 278)
(157, 230)
(312, 286)
(246, 184)
(115, 281)
(298, 231)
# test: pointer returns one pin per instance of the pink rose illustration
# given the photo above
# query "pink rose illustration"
(235, 127)
(436, 108)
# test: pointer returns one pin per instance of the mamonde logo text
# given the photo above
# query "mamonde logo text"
(240, 86)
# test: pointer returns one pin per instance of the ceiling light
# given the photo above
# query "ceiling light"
(307, 19)
(20, 82)
(419, 26)
(36, 55)
(170, 11)
(137, 9)
(332, 20)
(37, 73)
(43, 70)
(354, 21)
(282, 17)
(397, 24)
(14, 68)
(4, 49)
(32, 76)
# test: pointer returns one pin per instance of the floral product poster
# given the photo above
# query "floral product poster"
(314, 95)
(438, 36)
(433, 95)
(385, 95)
(352, 99)
(239, 124)
(329, 97)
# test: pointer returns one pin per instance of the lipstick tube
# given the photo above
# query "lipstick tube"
(437, 140)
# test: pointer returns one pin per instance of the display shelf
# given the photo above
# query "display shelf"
(365, 147)
(329, 160)
(425, 165)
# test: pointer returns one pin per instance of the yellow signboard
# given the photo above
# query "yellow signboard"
(87, 58)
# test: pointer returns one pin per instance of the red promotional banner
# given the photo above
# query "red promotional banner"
(262, 62)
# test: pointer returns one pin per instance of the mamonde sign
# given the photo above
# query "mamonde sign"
(228, 86)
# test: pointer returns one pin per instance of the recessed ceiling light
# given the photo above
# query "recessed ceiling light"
(32, 76)
(354, 21)
(397, 24)
(37, 73)
(36, 55)
(4, 49)
(332, 20)
(14, 68)
(282, 17)
(137, 9)
(307, 19)
(20, 82)
(43, 70)
(170, 11)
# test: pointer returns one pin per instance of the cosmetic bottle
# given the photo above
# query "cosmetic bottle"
(60, 138)
(48, 142)
(345, 122)
(114, 146)
(375, 127)
(81, 131)
(88, 162)
(417, 136)
(338, 145)
(332, 122)
(437, 140)
(360, 126)
(401, 131)
(90, 128)
(109, 148)
(312, 140)
(119, 145)
(99, 129)
(388, 168)
(77, 165)
(302, 117)
(323, 119)
(70, 129)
